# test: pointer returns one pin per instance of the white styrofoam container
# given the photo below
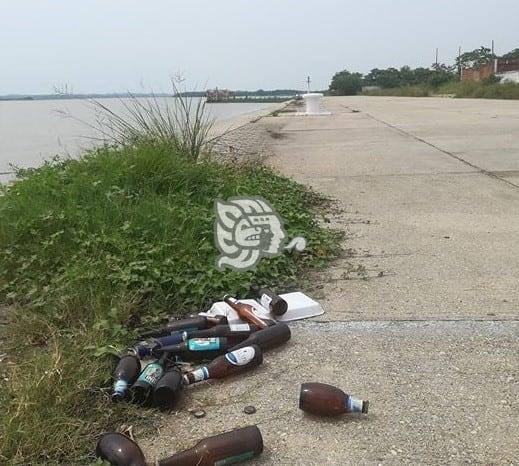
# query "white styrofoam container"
(300, 306)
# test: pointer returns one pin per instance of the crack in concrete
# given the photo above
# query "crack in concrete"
(481, 170)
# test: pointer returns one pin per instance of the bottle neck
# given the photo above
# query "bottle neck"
(197, 375)
(355, 405)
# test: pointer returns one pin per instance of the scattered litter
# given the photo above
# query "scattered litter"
(232, 336)
(226, 448)
(299, 306)
(326, 400)
(199, 413)
(249, 409)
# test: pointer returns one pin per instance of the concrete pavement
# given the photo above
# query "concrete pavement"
(422, 313)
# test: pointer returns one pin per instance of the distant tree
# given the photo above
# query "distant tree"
(346, 83)
(440, 73)
(390, 77)
(475, 59)
(513, 54)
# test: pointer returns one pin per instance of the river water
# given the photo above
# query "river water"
(32, 131)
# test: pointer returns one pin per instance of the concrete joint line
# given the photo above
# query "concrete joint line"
(443, 151)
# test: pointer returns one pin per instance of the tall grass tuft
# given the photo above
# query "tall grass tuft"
(179, 121)
(463, 89)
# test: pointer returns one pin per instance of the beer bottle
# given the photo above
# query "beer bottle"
(195, 322)
(244, 311)
(232, 363)
(167, 391)
(125, 374)
(267, 338)
(118, 449)
(151, 348)
(270, 300)
(198, 349)
(149, 377)
(325, 400)
(228, 448)
(234, 331)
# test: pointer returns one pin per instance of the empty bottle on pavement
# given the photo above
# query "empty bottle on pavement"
(119, 450)
(267, 338)
(234, 362)
(198, 349)
(148, 378)
(245, 311)
(270, 300)
(229, 448)
(325, 400)
(195, 322)
(125, 375)
(168, 389)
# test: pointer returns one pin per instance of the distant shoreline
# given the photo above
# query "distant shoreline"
(16, 97)
(240, 96)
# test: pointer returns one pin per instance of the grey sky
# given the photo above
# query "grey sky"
(115, 45)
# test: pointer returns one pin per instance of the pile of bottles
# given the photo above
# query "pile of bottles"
(223, 350)
(230, 349)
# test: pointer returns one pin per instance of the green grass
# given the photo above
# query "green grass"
(479, 90)
(92, 249)
(407, 91)
(464, 89)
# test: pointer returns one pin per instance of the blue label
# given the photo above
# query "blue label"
(203, 344)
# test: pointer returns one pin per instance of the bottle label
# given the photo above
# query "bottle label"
(241, 356)
(120, 387)
(265, 301)
(235, 459)
(200, 374)
(239, 327)
(203, 344)
(151, 374)
(354, 405)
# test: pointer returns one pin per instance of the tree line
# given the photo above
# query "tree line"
(350, 83)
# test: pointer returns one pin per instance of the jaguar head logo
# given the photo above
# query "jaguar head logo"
(246, 229)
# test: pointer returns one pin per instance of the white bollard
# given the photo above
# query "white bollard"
(313, 104)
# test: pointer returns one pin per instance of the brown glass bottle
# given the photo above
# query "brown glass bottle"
(325, 400)
(195, 322)
(267, 338)
(125, 375)
(119, 450)
(228, 448)
(234, 362)
(244, 311)
(168, 389)
(270, 300)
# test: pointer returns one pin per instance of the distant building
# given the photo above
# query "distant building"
(218, 95)
(505, 68)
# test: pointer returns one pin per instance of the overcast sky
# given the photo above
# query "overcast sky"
(118, 45)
